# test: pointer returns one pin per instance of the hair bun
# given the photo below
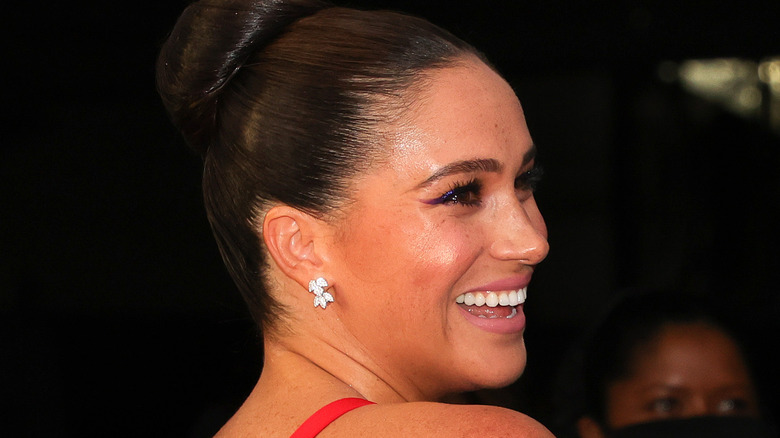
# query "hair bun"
(210, 41)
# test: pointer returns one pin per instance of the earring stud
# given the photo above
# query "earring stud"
(321, 297)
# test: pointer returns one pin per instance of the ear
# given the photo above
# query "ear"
(589, 428)
(291, 236)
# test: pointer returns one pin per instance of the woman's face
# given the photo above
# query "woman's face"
(688, 370)
(450, 216)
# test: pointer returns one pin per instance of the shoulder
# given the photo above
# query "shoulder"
(424, 419)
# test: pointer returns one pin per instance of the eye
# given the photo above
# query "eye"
(732, 406)
(529, 180)
(665, 405)
(467, 194)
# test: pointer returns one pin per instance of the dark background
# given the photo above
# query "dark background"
(118, 319)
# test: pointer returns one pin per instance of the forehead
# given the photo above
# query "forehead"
(466, 110)
(694, 352)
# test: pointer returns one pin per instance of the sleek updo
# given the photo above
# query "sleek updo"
(287, 101)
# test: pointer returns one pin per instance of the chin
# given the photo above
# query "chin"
(501, 372)
(506, 379)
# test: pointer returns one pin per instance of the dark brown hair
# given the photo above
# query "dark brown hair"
(286, 102)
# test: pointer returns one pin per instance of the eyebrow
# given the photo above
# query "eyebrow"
(476, 165)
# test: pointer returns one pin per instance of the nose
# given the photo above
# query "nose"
(519, 232)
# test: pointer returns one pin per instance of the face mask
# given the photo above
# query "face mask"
(699, 427)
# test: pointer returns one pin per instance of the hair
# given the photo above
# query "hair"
(286, 101)
(607, 353)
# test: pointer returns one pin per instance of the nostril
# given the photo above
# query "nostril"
(536, 254)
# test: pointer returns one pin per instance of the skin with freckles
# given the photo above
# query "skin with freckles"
(450, 210)
(403, 253)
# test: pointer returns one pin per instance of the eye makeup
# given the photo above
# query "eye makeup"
(467, 194)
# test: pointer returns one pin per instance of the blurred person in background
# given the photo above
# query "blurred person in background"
(659, 364)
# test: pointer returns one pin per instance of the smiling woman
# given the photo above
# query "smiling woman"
(375, 166)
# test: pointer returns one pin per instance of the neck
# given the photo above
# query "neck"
(312, 363)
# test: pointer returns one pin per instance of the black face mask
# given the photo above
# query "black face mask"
(698, 427)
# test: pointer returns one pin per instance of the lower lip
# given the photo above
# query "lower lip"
(504, 326)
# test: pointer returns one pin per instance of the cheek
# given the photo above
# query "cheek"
(621, 407)
(403, 249)
(438, 243)
(440, 253)
(628, 403)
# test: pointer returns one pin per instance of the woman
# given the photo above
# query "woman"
(369, 180)
(660, 364)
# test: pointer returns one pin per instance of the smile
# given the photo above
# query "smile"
(493, 299)
(498, 312)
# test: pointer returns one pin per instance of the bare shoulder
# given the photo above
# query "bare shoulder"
(424, 419)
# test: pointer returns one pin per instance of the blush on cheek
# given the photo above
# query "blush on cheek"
(395, 247)
(442, 252)
(434, 252)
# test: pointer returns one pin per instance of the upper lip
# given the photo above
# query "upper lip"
(509, 283)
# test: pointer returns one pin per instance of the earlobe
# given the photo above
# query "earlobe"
(289, 235)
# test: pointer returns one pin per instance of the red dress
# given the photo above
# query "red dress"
(322, 418)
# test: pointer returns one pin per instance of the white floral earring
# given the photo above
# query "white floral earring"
(321, 298)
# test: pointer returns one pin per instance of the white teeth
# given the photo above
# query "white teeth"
(522, 294)
(493, 299)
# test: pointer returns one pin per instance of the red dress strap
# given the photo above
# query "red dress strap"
(326, 415)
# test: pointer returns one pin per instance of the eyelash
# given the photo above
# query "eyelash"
(453, 195)
(526, 181)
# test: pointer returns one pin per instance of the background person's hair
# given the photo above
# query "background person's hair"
(286, 101)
